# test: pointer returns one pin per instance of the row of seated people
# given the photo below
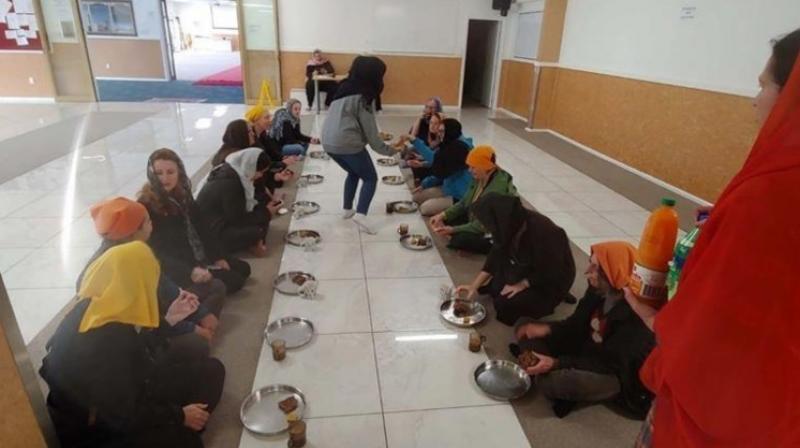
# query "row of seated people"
(592, 356)
(130, 363)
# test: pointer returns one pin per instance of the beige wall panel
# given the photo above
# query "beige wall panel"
(18, 426)
(516, 87)
(409, 79)
(126, 58)
(552, 30)
(261, 65)
(693, 139)
(26, 65)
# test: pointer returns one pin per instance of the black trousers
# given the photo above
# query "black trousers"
(528, 303)
(240, 238)
(468, 241)
(235, 278)
(329, 87)
(211, 294)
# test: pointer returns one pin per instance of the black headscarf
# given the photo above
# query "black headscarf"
(365, 79)
(452, 154)
(503, 216)
(235, 138)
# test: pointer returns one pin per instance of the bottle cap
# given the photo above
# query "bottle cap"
(668, 202)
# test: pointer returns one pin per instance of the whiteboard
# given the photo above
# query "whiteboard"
(529, 27)
(397, 23)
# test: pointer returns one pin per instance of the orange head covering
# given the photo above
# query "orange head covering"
(725, 368)
(616, 258)
(118, 218)
(482, 157)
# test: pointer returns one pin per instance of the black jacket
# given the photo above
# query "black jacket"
(222, 201)
(327, 67)
(626, 344)
(292, 135)
(540, 253)
(102, 375)
(170, 242)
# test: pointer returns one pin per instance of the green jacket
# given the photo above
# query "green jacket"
(501, 182)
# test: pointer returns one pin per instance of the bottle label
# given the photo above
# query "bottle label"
(649, 284)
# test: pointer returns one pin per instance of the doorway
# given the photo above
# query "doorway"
(164, 50)
(479, 65)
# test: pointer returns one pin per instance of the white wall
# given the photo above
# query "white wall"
(722, 48)
(510, 38)
(349, 26)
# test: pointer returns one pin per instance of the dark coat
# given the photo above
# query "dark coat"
(292, 135)
(222, 200)
(102, 375)
(170, 242)
(626, 344)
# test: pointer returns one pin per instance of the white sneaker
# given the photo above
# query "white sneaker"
(348, 213)
(364, 224)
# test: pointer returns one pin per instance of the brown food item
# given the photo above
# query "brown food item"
(461, 309)
(528, 359)
(299, 280)
(288, 405)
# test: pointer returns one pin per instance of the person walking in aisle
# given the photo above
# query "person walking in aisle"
(349, 127)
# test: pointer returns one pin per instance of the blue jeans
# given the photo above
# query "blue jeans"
(295, 149)
(358, 166)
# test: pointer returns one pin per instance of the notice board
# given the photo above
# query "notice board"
(19, 29)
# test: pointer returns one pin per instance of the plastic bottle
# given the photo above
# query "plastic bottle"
(682, 250)
(655, 252)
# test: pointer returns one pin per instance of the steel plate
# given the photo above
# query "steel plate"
(387, 161)
(307, 207)
(299, 237)
(260, 412)
(502, 380)
(404, 206)
(284, 282)
(312, 179)
(296, 331)
(393, 180)
(416, 242)
(476, 316)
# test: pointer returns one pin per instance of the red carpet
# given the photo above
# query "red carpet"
(230, 77)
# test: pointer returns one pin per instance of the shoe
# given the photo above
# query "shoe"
(562, 408)
(570, 299)
(364, 224)
(348, 213)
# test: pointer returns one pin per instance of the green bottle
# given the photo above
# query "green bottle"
(682, 250)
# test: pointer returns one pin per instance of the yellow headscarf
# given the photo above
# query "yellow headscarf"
(121, 285)
(254, 113)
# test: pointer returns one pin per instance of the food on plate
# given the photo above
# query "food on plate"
(288, 405)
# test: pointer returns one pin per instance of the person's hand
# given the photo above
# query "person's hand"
(284, 176)
(444, 230)
(467, 292)
(222, 264)
(207, 334)
(289, 160)
(701, 214)
(201, 275)
(545, 364)
(510, 291)
(195, 416)
(416, 190)
(314, 141)
(437, 220)
(210, 323)
(181, 308)
(414, 163)
(645, 312)
(532, 331)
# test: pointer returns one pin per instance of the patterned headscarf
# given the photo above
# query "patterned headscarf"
(282, 116)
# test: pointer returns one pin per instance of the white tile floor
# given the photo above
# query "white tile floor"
(374, 374)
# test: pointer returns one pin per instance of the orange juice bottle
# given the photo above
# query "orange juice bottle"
(649, 280)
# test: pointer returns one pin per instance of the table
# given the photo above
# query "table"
(317, 79)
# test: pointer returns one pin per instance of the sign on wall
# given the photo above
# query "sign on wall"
(18, 27)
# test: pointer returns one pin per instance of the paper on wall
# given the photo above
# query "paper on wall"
(22, 20)
(32, 24)
(22, 41)
(5, 7)
(11, 34)
(2, 18)
(31, 34)
(23, 6)
(12, 22)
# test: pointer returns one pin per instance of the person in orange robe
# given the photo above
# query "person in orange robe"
(726, 369)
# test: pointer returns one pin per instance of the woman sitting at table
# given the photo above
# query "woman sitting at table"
(530, 268)
(450, 178)
(181, 237)
(286, 130)
(458, 223)
(108, 384)
(239, 134)
(121, 220)
(228, 199)
(596, 353)
(320, 65)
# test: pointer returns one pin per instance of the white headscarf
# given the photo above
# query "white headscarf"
(245, 163)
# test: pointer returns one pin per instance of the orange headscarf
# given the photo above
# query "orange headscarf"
(118, 218)
(482, 157)
(725, 368)
(616, 258)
